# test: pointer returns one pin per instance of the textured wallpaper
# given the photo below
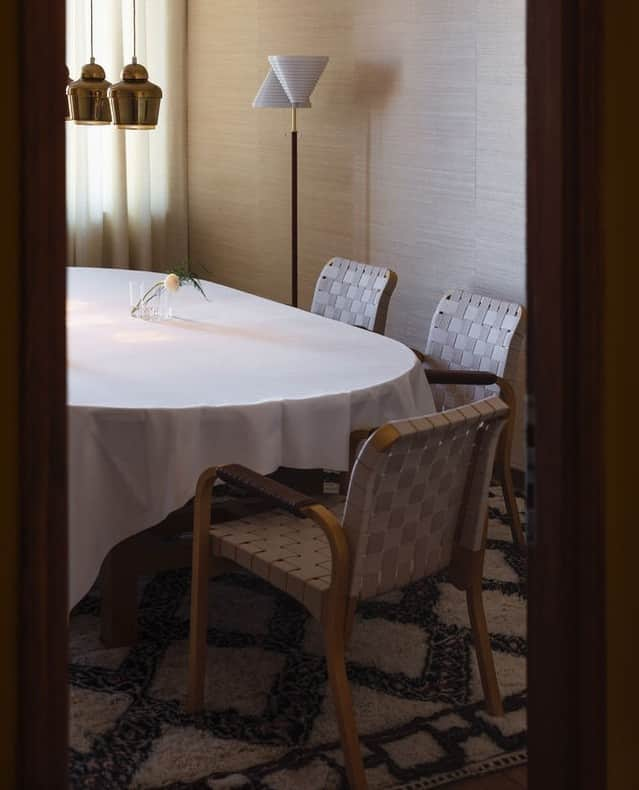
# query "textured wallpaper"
(413, 155)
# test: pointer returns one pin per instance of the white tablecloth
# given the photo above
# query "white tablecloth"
(235, 379)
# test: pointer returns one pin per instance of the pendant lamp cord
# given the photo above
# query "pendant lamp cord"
(91, 26)
(135, 60)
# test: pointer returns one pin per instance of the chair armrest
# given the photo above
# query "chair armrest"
(340, 560)
(472, 377)
(304, 507)
(477, 378)
(287, 498)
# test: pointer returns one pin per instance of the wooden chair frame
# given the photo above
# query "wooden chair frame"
(338, 611)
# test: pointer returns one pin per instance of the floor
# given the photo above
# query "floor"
(511, 779)
(128, 698)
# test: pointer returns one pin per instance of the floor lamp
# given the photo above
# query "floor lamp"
(289, 83)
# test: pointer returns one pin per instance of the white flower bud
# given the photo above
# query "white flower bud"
(172, 282)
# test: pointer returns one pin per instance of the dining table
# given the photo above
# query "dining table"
(226, 377)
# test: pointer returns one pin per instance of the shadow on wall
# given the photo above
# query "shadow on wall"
(374, 85)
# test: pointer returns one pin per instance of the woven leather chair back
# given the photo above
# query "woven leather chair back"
(409, 504)
(474, 332)
(354, 293)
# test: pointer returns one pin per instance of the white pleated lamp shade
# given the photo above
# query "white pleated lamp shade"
(272, 95)
(298, 75)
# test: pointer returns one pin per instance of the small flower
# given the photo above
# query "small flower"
(172, 282)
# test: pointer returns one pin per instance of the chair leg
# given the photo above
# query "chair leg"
(481, 640)
(340, 689)
(199, 600)
(197, 638)
(503, 466)
(506, 480)
(119, 611)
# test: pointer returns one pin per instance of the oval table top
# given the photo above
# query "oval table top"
(232, 378)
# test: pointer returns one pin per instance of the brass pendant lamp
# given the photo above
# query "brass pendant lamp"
(88, 101)
(135, 101)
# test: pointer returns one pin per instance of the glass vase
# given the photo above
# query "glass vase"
(150, 304)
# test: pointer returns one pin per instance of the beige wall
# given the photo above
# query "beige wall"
(412, 156)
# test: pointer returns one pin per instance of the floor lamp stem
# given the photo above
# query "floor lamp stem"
(294, 218)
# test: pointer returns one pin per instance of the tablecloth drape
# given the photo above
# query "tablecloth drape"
(234, 378)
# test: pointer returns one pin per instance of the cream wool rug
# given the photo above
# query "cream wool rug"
(269, 722)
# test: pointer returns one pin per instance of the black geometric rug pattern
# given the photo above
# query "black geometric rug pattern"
(268, 723)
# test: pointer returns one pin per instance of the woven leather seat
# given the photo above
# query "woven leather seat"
(292, 554)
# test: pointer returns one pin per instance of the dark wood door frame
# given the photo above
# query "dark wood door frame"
(566, 666)
(566, 620)
(43, 688)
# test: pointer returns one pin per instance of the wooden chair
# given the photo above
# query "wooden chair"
(484, 337)
(354, 293)
(416, 505)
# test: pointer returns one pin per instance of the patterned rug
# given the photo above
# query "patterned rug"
(269, 722)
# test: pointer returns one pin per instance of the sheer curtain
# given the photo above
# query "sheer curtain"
(126, 190)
